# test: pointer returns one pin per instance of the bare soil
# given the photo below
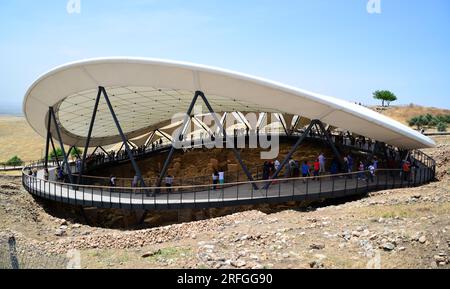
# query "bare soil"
(403, 228)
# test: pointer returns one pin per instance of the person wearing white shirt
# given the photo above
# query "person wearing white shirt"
(221, 177)
(322, 163)
(277, 165)
(215, 177)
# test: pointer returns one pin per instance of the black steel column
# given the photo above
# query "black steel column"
(281, 118)
(75, 149)
(47, 143)
(150, 138)
(330, 142)
(104, 150)
(124, 139)
(180, 138)
(121, 147)
(292, 151)
(295, 124)
(203, 127)
(70, 151)
(164, 135)
(235, 151)
(132, 145)
(66, 161)
(54, 150)
(88, 139)
(95, 150)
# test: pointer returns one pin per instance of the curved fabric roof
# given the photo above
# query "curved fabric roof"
(146, 93)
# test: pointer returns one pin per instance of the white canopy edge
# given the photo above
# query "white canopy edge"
(59, 83)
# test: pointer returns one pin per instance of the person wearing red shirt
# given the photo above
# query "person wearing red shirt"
(316, 169)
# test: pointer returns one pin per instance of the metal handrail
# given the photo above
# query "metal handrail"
(216, 195)
(40, 163)
(124, 157)
(218, 185)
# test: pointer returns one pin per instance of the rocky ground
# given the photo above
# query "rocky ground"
(404, 228)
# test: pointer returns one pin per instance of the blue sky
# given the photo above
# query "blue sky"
(332, 47)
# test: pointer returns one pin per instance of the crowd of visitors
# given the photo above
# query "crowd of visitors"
(363, 169)
(348, 166)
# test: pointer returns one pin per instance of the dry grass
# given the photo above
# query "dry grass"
(405, 113)
(18, 138)
(11, 173)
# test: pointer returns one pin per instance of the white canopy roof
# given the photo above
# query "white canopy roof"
(146, 93)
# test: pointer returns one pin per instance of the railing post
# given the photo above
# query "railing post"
(410, 177)
(387, 181)
(92, 196)
(68, 189)
(345, 184)
(332, 186)
(357, 184)
(293, 189)
(237, 186)
(367, 181)
(320, 185)
(377, 175)
(307, 187)
(279, 189)
(154, 196)
(393, 180)
(195, 199)
(401, 178)
(223, 192)
(209, 194)
(168, 196)
(82, 194)
(420, 176)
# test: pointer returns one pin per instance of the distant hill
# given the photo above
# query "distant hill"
(404, 113)
(18, 138)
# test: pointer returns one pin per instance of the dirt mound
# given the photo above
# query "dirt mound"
(441, 154)
(202, 162)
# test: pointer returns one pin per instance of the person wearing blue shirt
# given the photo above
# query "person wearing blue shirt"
(305, 169)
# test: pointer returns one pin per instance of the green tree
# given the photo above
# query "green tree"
(385, 96)
(429, 119)
(442, 118)
(419, 121)
(75, 152)
(14, 161)
(413, 121)
(58, 153)
(441, 127)
(447, 118)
